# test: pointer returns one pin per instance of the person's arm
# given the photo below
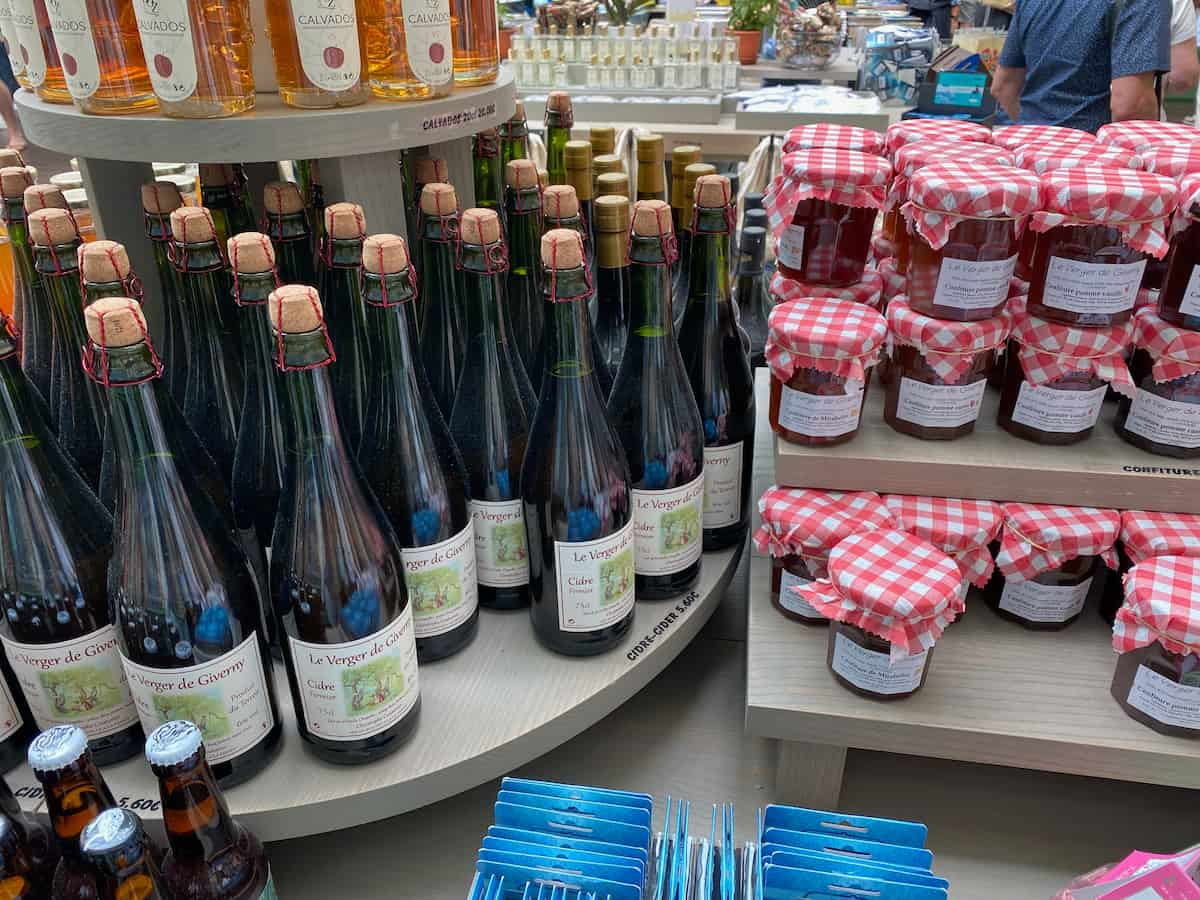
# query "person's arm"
(1185, 69)
(1141, 49)
(1133, 97)
(1007, 84)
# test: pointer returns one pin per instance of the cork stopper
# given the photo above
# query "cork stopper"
(480, 226)
(115, 322)
(345, 222)
(543, 178)
(428, 169)
(518, 112)
(10, 158)
(562, 248)
(578, 154)
(712, 192)
(14, 180)
(520, 174)
(651, 218)
(612, 214)
(192, 225)
(612, 183)
(603, 138)
(650, 148)
(282, 198)
(161, 198)
(251, 253)
(212, 174)
(559, 101)
(560, 202)
(295, 309)
(52, 227)
(439, 199)
(103, 261)
(385, 254)
(44, 196)
(604, 163)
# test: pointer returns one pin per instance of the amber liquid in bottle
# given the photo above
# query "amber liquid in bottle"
(101, 55)
(476, 42)
(319, 61)
(38, 52)
(409, 48)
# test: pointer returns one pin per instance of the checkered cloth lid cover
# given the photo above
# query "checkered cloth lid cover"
(841, 337)
(892, 584)
(839, 176)
(1038, 538)
(1051, 350)
(1162, 603)
(1175, 350)
(949, 348)
(810, 523)
(1146, 534)
(961, 528)
(1146, 133)
(1043, 158)
(1012, 137)
(913, 157)
(910, 131)
(842, 137)
(1138, 204)
(868, 291)
(939, 196)
(1189, 202)
(1172, 160)
(894, 284)
(882, 248)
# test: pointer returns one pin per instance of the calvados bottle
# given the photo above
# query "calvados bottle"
(489, 174)
(319, 62)
(560, 119)
(575, 480)
(655, 414)
(37, 330)
(159, 200)
(101, 55)
(612, 279)
(28, 852)
(442, 339)
(43, 69)
(523, 286)
(210, 855)
(198, 56)
(114, 846)
(514, 137)
(750, 290)
(492, 412)
(683, 271)
(287, 225)
(225, 197)
(718, 368)
(476, 43)
(337, 577)
(410, 55)
(341, 288)
(651, 168)
(411, 464)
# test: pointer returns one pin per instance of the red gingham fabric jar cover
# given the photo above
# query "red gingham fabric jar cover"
(940, 196)
(810, 523)
(842, 137)
(1189, 202)
(910, 131)
(891, 584)
(839, 176)
(894, 284)
(1146, 133)
(911, 158)
(948, 347)
(1172, 160)
(1043, 158)
(1052, 350)
(960, 528)
(1013, 136)
(1175, 350)
(840, 337)
(1147, 534)
(1138, 204)
(1162, 603)
(882, 248)
(1038, 538)
(868, 291)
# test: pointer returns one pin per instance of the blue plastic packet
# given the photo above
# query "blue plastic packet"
(567, 842)
(846, 865)
(581, 826)
(545, 852)
(916, 857)
(863, 828)
(568, 869)
(517, 877)
(781, 883)
(606, 811)
(578, 792)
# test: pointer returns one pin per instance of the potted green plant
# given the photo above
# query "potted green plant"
(747, 19)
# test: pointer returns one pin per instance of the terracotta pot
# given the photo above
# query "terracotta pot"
(748, 46)
(505, 41)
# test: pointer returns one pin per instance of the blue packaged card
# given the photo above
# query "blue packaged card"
(543, 851)
(568, 842)
(582, 826)
(606, 811)
(847, 865)
(781, 883)
(915, 857)
(863, 828)
(577, 792)
(517, 877)
(567, 869)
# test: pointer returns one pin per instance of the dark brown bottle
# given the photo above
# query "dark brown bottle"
(28, 852)
(115, 847)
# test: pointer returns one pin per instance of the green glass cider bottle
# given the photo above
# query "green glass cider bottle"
(523, 285)
(35, 324)
(441, 326)
(159, 200)
(287, 225)
(560, 119)
(514, 136)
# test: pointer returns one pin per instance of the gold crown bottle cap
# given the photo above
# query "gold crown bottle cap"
(559, 101)
(650, 148)
(691, 175)
(251, 253)
(14, 180)
(295, 309)
(602, 138)
(428, 169)
(612, 213)
(218, 173)
(607, 162)
(681, 157)
(192, 225)
(562, 248)
(613, 183)
(520, 174)
(115, 322)
(651, 218)
(559, 201)
(52, 227)
(712, 192)
(103, 262)
(578, 154)
(44, 196)
(161, 197)
(385, 254)
(282, 198)
(480, 226)
(345, 222)
(439, 199)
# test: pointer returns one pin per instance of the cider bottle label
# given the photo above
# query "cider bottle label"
(442, 587)
(166, 31)
(10, 716)
(76, 48)
(227, 699)
(722, 485)
(501, 552)
(668, 528)
(358, 689)
(29, 42)
(427, 40)
(77, 682)
(327, 38)
(595, 581)
(8, 28)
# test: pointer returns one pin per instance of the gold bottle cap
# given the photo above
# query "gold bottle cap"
(712, 192)
(612, 214)
(115, 322)
(251, 253)
(52, 227)
(428, 169)
(578, 154)
(385, 254)
(44, 196)
(104, 261)
(603, 138)
(439, 199)
(681, 157)
(14, 180)
(613, 183)
(192, 225)
(607, 162)
(650, 148)
(520, 174)
(345, 222)
(651, 218)
(282, 198)
(295, 309)
(690, 176)
(218, 173)
(480, 226)
(559, 101)
(161, 197)
(560, 202)
(10, 158)
(562, 248)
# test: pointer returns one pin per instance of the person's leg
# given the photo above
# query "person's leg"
(941, 18)
(8, 84)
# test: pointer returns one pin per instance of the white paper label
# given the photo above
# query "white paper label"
(722, 485)
(595, 581)
(327, 37)
(874, 671)
(792, 603)
(10, 716)
(819, 415)
(427, 40)
(29, 42)
(791, 247)
(226, 697)
(358, 689)
(1064, 412)
(501, 552)
(969, 285)
(1164, 700)
(78, 682)
(667, 528)
(1164, 421)
(1044, 602)
(441, 583)
(939, 405)
(9, 30)
(76, 49)
(166, 31)
(1190, 304)
(1092, 288)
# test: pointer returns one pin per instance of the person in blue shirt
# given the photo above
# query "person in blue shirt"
(1083, 63)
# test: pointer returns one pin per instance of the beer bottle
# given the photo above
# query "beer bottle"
(115, 847)
(28, 852)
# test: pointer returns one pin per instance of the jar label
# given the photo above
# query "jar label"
(8, 29)
(440, 578)
(29, 42)
(1036, 602)
(226, 697)
(1189, 305)
(76, 49)
(358, 689)
(790, 249)
(874, 671)
(1097, 289)
(820, 415)
(427, 40)
(939, 405)
(970, 285)
(501, 551)
(77, 682)
(792, 603)
(1164, 421)
(595, 581)
(10, 716)
(327, 38)
(166, 31)
(1164, 700)
(723, 485)
(1063, 412)
(667, 528)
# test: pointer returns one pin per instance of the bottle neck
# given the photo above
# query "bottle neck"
(312, 420)
(194, 812)
(397, 369)
(610, 249)
(650, 287)
(439, 229)
(197, 258)
(98, 290)
(482, 293)
(524, 235)
(22, 251)
(158, 227)
(14, 212)
(570, 356)
(289, 227)
(344, 254)
(488, 181)
(75, 795)
(581, 180)
(708, 274)
(522, 203)
(253, 288)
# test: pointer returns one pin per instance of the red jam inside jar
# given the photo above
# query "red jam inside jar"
(788, 572)
(816, 409)
(827, 243)
(1162, 417)
(1179, 299)
(891, 224)
(967, 279)
(1150, 681)
(1026, 254)
(1064, 411)
(1052, 600)
(919, 402)
(861, 663)
(1084, 275)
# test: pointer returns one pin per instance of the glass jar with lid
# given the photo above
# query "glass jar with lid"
(962, 529)
(1142, 134)
(1163, 414)
(1013, 137)
(840, 137)
(869, 291)
(910, 131)
(1177, 162)
(1179, 298)
(1145, 535)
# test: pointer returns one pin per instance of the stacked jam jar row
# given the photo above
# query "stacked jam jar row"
(888, 575)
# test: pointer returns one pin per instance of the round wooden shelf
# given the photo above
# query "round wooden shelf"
(500, 703)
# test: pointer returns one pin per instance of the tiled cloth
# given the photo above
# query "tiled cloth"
(949, 348)
(940, 195)
(961, 528)
(1175, 350)
(1038, 538)
(1147, 534)
(1162, 603)
(809, 523)
(836, 336)
(1052, 350)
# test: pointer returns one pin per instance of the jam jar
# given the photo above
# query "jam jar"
(1144, 535)
(820, 352)
(1163, 416)
(1014, 137)
(861, 662)
(869, 291)
(962, 529)
(1052, 600)
(1178, 162)
(1179, 297)
(838, 137)
(1143, 134)
(910, 131)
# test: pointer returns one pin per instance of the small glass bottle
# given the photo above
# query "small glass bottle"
(545, 69)
(116, 850)
(476, 42)
(408, 44)
(39, 52)
(317, 44)
(101, 55)
(28, 852)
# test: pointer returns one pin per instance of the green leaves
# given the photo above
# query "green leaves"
(750, 15)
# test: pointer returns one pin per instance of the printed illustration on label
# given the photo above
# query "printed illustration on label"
(166, 31)
(667, 528)
(73, 34)
(595, 581)
(327, 37)
(723, 485)
(29, 42)
(427, 40)
(441, 583)
(501, 554)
